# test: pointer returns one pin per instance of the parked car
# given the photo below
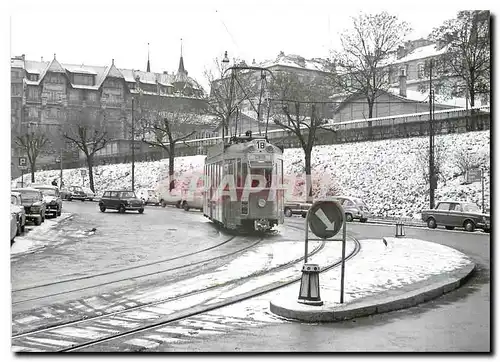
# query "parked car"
(32, 200)
(76, 193)
(121, 200)
(354, 208)
(14, 226)
(173, 197)
(89, 194)
(296, 208)
(149, 196)
(52, 199)
(17, 207)
(453, 214)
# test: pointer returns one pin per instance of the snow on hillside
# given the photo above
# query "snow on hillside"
(387, 174)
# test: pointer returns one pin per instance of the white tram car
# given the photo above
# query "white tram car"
(234, 192)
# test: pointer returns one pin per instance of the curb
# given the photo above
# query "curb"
(373, 304)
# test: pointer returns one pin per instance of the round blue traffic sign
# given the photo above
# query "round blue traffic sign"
(325, 218)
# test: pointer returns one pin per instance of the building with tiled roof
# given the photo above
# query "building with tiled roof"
(42, 93)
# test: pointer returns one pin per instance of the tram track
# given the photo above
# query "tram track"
(171, 269)
(198, 308)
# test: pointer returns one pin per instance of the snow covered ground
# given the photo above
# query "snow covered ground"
(388, 174)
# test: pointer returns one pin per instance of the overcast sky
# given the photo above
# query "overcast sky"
(94, 32)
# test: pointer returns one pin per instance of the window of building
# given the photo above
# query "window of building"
(33, 112)
(16, 73)
(55, 78)
(74, 96)
(33, 93)
(33, 77)
(16, 89)
(83, 79)
(92, 96)
(421, 70)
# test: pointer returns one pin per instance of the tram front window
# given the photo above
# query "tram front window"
(267, 172)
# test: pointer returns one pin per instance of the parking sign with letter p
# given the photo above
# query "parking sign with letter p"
(23, 163)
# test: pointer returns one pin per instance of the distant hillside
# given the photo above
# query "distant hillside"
(387, 174)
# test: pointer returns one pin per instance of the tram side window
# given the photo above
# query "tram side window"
(244, 173)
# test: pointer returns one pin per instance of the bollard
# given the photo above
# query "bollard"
(309, 285)
(400, 230)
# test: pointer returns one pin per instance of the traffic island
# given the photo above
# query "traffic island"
(381, 279)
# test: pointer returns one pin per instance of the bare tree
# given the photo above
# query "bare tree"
(87, 129)
(297, 107)
(229, 90)
(467, 54)
(361, 67)
(34, 143)
(440, 155)
(166, 129)
(465, 160)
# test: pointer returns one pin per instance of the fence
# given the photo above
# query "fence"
(402, 126)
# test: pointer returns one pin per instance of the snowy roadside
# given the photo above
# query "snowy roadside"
(35, 237)
(387, 174)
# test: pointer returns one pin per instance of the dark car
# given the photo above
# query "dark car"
(32, 200)
(453, 214)
(52, 199)
(121, 200)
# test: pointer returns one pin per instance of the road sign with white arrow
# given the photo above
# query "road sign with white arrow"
(325, 219)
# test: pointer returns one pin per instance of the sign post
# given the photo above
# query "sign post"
(84, 173)
(325, 218)
(23, 165)
(476, 175)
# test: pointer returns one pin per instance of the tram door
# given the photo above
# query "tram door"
(228, 214)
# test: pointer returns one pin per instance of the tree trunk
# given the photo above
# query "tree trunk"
(33, 169)
(171, 167)
(309, 197)
(91, 175)
(370, 116)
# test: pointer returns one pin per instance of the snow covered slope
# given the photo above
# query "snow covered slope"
(387, 174)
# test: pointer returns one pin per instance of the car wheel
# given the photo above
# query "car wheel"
(487, 230)
(178, 205)
(431, 223)
(121, 210)
(348, 217)
(102, 208)
(449, 227)
(185, 206)
(83, 200)
(163, 203)
(469, 225)
(38, 221)
(288, 212)
(141, 211)
(304, 214)
(363, 220)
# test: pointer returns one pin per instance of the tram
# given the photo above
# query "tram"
(243, 188)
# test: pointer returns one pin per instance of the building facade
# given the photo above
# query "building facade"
(44, 94)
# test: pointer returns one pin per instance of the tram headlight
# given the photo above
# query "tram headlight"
(270, 149)
(251, 148)
(262, 203)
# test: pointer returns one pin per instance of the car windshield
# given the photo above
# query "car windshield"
(31, 194)
(359, 202)
(48, 192)
(127, 194)
(471, 208)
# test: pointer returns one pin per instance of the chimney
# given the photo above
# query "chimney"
(401, 51)
(402, 82)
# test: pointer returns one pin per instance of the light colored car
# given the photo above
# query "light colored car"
(14, 226)
(34, 205)
(89, 194)
(354, 208)
(149, 196)
(52, 198)
(453, 214)
(17, 207)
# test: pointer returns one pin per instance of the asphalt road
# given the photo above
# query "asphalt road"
(458, 321)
